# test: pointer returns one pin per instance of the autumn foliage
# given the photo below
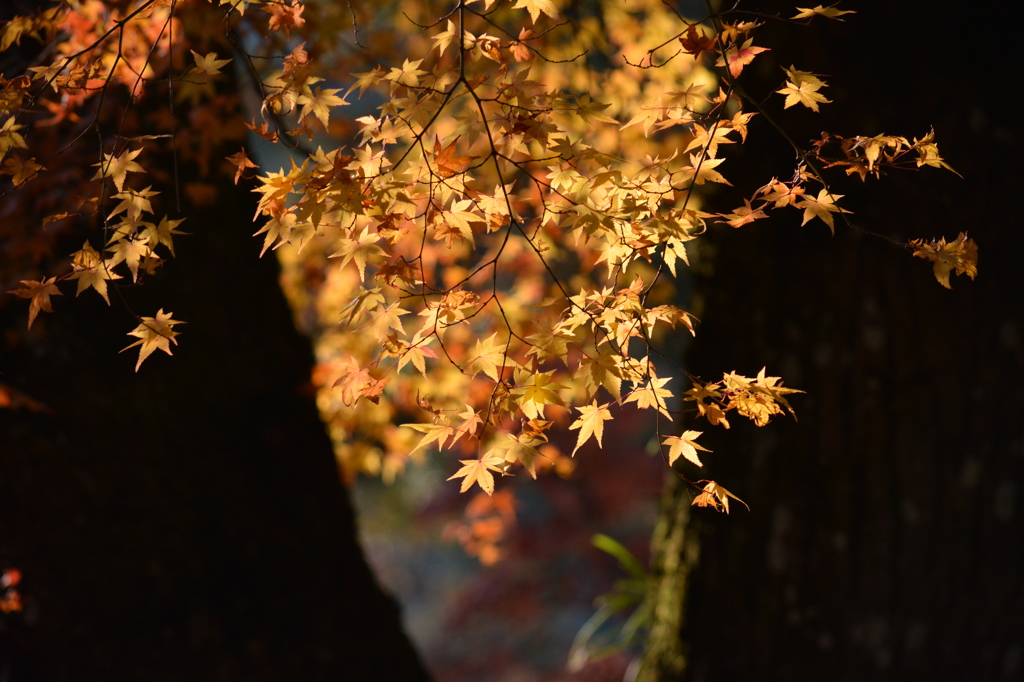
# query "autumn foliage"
(485, 207)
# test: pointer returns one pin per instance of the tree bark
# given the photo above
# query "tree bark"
(187, 521)
(884, 537)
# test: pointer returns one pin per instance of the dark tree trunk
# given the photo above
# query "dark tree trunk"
(185, 522)
(884, 540)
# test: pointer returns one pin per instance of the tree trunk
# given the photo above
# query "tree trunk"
(187, 521)
(884, 537)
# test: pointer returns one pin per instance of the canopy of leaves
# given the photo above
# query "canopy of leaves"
(489, 241)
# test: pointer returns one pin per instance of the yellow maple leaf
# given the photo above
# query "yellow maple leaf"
(22, 170)
(433, 433)
(743, 215)
(538, 7)
(703, 170)
(802, 93)
(521, 448)
(830, 12)
(651, 395)
(163, 233)
(709, 139)
(154, 333)
(959, 256)
(714, 495)
(822, 207)
(131, 251)
(359, 251)
(118, 167)
(319, 102)
(479, 471)
(91, 271)
(535, 391)
(684, 445)
(209, 65)
(488, 356)
(10, 138)
(591, 423)
(39, 293)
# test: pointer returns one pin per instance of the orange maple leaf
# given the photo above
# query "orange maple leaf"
(448, 164)
(740, 56)
(695, 43)
(241, 162)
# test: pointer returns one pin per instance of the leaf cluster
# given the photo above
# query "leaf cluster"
(499, 228)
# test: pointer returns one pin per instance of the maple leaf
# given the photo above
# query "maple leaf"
(448, 163)
(409, 74)
(479, 471)
(959, 256)
(821, 207)
(709, 139)
(209, 65)
(521, 448)
(131, 251)
(471, 422)
(803, 93)
(163, 233)
(240, 161)
(712, 411)
(538, 7)
(488, 356)
(591, 423)
(95, 277)
(359, 251)
(22, 170)
(263, 130)
(521, 52)
(417, 354)
(695, 44)
(353, 381)
(91, 271)
(536, 391)
(444, 39)
(133, 204)
(39, 293)
(651, 395)
(10, 138)
(374, 389)
(684, 445)
(773, 388)
(590, 111)
(154, 333)
(830, 12)
(716, 496)
(703, 170)
(118, 167)
(739, 123)
(319, 102)
(744, 215)
(649, 116)
(928, 152)
(740, 56)
(284, 16)
(781, 194)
